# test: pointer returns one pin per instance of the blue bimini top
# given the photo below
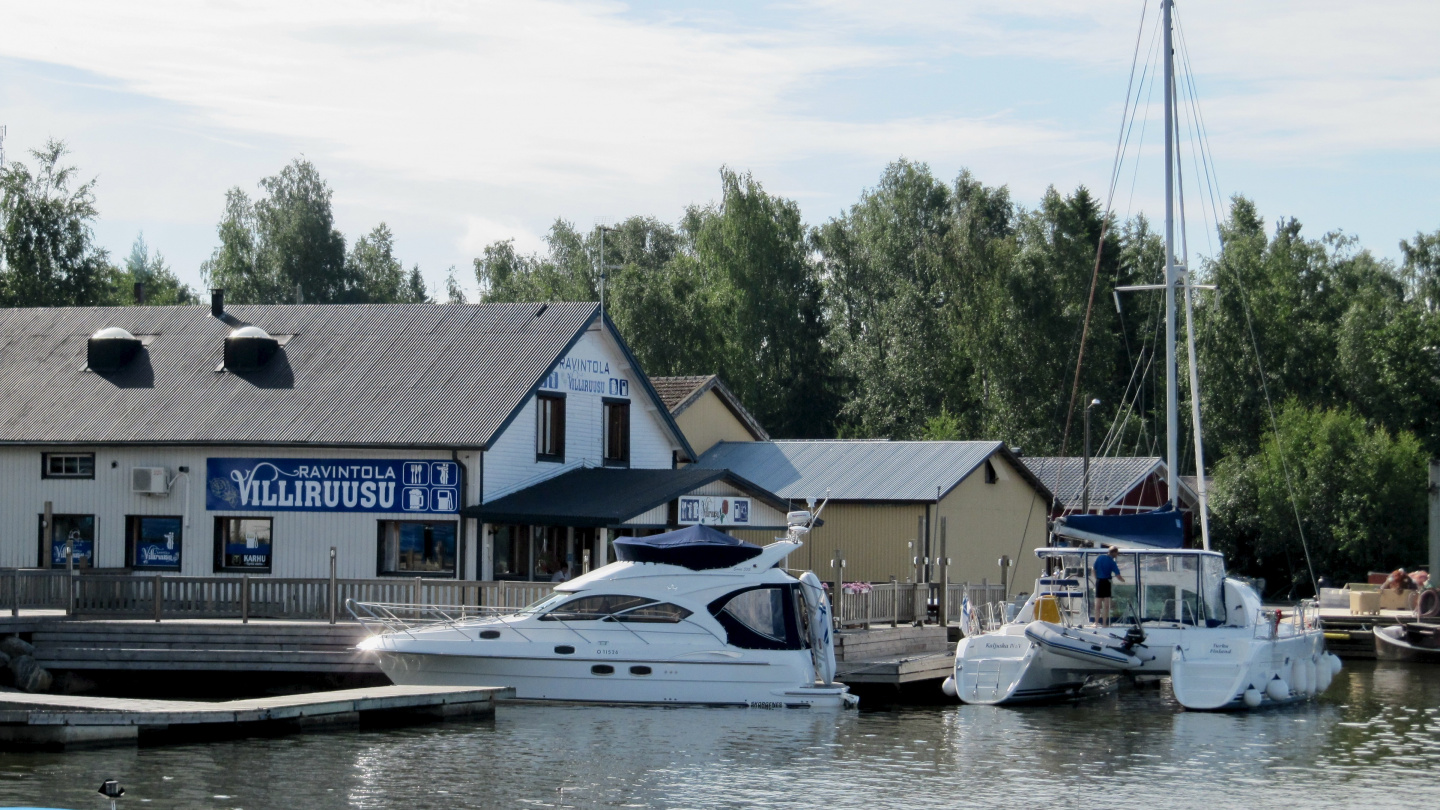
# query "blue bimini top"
(698, 548)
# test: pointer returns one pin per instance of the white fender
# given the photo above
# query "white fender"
(1335, 663)
(1252, 697)
(1297, 677)
(822, 642)
(1277, 689)
(948, 687)
(1322, 674)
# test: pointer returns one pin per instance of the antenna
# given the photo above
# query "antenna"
(602, 224)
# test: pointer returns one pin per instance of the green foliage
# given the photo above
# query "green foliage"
(47, 251)
(454, 293)
(1359, 492)
(283, 248)
(381, 275)
(943, 427)
(162, 288)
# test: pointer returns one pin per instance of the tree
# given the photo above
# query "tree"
(1360, 494)
(47, 251)
(162, 287)
(283, 247)
(454, 293)
(382, 277)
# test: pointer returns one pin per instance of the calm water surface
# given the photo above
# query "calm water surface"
(1374, 737)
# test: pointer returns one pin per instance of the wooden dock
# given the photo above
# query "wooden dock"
(200, 644)
(58, 721)
(893, 655)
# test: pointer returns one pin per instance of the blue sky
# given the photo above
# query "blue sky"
(459, 123)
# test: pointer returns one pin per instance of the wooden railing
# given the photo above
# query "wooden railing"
(244, 597)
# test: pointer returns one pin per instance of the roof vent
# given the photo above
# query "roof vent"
(110, 349)
(249, 347)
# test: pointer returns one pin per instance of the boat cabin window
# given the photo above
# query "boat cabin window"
(759, 618)
(593, 608)
(1170, 584)
(653, 613)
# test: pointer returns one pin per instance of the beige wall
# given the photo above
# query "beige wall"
(707, 421)
(983, 521)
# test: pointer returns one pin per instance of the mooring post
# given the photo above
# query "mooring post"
(838, 563)
(158, 587)
(944, 562)
(245, 599)
(15, 591)
(894, 601)
(334, 590)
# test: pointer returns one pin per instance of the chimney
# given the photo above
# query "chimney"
(139, 293)
(217, 302)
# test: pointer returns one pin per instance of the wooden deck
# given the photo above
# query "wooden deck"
(60, 721)
(893, 655)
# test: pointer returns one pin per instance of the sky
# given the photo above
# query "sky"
(462, 123)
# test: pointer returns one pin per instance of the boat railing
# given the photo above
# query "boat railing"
(394, 617)
(1275, 623)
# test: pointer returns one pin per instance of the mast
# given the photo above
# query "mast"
(1172, 387)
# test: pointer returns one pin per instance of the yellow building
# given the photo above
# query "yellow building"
(707, 411)
(892, 502)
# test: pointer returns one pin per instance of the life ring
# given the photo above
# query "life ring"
(1428, 605)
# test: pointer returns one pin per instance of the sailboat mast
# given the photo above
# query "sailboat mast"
(1172, 386)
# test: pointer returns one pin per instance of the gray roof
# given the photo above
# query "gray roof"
(1110, 478)
(606, 497)
(858, 470)
(366, 375)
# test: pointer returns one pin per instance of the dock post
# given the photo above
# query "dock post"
(245, 599)
(159, 589)
(838, 563)
(334, 591)
(1434, 517)
(416, 593)
(15, 591)
(944, 563)
(894, 601)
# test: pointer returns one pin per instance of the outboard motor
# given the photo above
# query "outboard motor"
(1133, 637)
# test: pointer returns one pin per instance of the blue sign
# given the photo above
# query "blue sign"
(332, 485)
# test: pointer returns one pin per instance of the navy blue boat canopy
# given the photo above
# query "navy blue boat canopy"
(1159, 528)
(698, 548)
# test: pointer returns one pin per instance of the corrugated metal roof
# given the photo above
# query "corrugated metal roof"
(854, 470)
(1110, 478)
(382, 374)
(605, 497)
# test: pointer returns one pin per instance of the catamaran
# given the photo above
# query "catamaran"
(1182, 615)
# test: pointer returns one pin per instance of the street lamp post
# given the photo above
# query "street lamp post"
(1085, 476)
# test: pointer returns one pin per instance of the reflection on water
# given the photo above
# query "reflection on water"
(1375, 736)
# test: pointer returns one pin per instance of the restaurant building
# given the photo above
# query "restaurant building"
(509, 441)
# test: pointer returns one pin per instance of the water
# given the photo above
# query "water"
(1373, 740)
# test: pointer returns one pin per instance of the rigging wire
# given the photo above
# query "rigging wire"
(1269, 403)
(1100, 245)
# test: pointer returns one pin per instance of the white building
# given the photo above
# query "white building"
(471, 442)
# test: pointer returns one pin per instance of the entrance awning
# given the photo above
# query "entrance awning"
(607, 497)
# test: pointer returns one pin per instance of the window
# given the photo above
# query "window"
(67, 465)
(153, 542)
(759, 618)
(550, 427)
(417, 548)
(79, 531)
(617, 432)
(243, 544)
(613, 608)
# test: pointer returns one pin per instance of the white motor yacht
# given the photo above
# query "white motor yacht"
(1177, 614)
(688, 617)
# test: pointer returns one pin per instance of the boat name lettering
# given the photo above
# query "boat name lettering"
(1220, 648)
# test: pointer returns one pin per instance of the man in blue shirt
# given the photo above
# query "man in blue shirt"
(1106, 569)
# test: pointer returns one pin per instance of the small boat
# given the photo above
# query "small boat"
(692, 616)
(1411, 641)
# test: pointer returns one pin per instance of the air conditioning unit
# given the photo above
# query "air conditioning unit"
(149, 480)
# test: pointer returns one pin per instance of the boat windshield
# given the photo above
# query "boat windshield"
(1158, 586)
(1213, 584)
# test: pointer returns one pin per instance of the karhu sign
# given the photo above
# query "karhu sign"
(332, 485)
(713, 510)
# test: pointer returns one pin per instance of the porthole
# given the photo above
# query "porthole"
(489, 633)
(639, 670)
(565, 649)
(603, 669)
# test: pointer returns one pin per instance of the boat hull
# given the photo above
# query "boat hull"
(1234, 674)
(618, 680)
(1004, 669)
(1396, 644)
